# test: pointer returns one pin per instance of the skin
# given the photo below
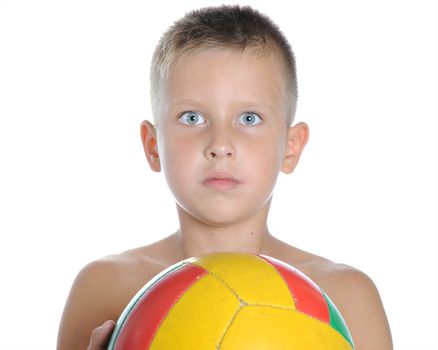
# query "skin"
(218, 220)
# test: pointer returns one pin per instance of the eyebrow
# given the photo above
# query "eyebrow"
(240, 103)
(185, 102)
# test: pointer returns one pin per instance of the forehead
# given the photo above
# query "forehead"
(225, 75)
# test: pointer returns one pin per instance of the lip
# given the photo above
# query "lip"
(221, 180)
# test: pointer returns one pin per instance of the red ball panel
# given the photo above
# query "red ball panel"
(152, 307)
(307, 295)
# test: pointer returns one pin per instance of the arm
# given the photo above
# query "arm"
(89, 304)
(358, 300)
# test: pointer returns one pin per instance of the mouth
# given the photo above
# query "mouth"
(221, 181)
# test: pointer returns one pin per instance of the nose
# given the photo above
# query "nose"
(219, 152)
(220, 145)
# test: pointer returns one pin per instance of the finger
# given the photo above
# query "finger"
(101, 335)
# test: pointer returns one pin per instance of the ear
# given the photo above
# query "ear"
(297, 138)
(148, 135)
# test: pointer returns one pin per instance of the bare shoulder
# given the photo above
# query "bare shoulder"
(353, 292)
(357, 298)
(102, 289)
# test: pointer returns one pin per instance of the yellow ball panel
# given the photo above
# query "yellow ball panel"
(265, 328)
(253, 279)
(199, 318)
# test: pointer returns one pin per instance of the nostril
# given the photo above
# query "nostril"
(221, 154)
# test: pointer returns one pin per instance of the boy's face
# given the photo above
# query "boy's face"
(223, 111)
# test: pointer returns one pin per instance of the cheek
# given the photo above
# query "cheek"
(264, 165)
(267, 154)
(179, 159)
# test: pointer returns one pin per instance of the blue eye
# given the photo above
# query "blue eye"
(192, 118)
(251, 118)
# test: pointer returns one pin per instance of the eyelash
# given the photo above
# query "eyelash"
(200, 114)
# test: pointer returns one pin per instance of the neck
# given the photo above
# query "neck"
(197, 238)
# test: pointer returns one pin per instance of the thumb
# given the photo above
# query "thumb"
(101, 335)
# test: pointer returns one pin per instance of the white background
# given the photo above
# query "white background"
(75, 184)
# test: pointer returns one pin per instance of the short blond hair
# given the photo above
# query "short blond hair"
(222, 27)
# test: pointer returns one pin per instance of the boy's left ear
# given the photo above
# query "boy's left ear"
(297, 137)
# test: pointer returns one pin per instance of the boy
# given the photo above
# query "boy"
(223, 88)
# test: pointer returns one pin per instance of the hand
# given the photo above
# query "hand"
(100, 336)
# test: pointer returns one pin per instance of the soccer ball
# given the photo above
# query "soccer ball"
(230, 301)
